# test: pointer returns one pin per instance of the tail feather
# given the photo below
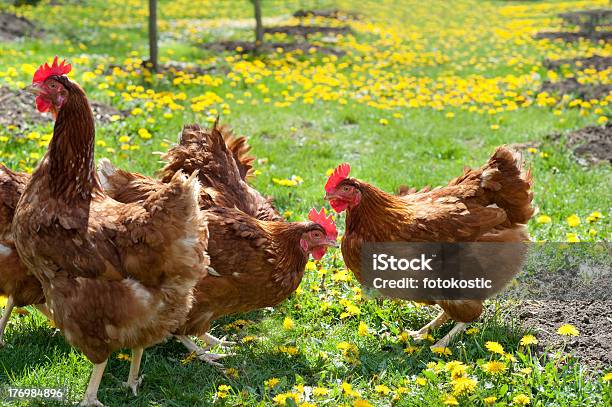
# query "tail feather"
(12, 185)
(239, 148)
(509, 185)
(224, 166)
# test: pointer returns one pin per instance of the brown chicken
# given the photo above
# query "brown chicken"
(16, 283)
(490, 204)
(114, 275)
(223, 168)
(268, 257)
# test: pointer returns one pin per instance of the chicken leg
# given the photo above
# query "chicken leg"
(435, 323)
(213, 341)
(133, 380)
(445, 341)
(91, 394)
(6, 315)
(201, 354)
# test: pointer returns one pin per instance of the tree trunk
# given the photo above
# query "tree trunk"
(153, 34)
(259, 30)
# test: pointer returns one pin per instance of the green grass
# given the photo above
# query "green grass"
(296, 133)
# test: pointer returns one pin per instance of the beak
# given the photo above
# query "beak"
(34, 89)
(332, 243)
(329, 196)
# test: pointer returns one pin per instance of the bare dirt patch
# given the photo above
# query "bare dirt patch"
(18, 110)
(306, 30)
(591, 25)
(572, 87)
(591, 145)
(332, 13)
(13, 27)
(596, 62)
(592, 318)
(248, 47)
(575, 36)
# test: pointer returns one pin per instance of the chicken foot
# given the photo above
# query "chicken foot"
(91, 394)
(6, 315)
(422, 333)
(133, 380)
(213, 341)
(445, 341)
(201, 354)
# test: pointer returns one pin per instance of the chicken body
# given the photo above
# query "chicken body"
(114, 275)
(490, 204)
(266, 263)
(16, 283)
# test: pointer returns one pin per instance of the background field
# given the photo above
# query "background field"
(412, 94)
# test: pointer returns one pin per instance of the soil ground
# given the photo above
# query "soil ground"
(591, 145)
(13, 27)
(247, 47)
(593, 319)
(18, 109)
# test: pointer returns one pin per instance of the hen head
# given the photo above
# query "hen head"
(320, 233)
(49, 84)
(341, 191)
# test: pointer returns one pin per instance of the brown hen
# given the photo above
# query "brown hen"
(490, 204)
(268, 257)
(16, 283)
(114, 275)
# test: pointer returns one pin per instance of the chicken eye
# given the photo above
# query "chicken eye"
(346, 188)
(52, 85)
(317, 235)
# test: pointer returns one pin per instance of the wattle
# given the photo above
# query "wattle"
(319, 252)
(42, 104)
(338, 205)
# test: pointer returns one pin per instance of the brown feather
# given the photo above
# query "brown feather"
(488, 204)
(114, 275)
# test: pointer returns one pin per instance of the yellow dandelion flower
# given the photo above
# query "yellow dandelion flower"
(361, 403)
(382, 389)
(223, 391)
(410, 349)
(472, 331)
(543, 219)
(529, 340)
(568, 330)
(442, 351)
(362, 329)
(124, 357)
(288, 324)
(494, 347)
(573, 220)
(320, 391)
(384, 122)
(271, 382)
(463, 385)
(572, 238)
(521, 400)
(450, 400)
(494, 367)
(594, 217)
(231, 372)
(489, 400)
(607, 377)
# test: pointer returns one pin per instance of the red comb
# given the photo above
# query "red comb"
(45, 71)
(338, 175)
(327, 223)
